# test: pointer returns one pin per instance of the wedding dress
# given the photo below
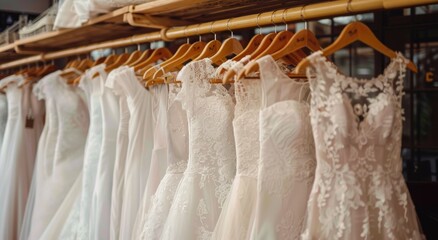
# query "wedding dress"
(287, 157)
(93, 90)
(14, 166)
(159, 155)
(152, 223)
(60, 156)
(141, 142)
(101, 201)
(121, 152)
(359, 190)
(211, 165)
(237, 216)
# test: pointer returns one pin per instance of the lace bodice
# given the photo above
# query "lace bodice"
(246, 126)
(357, 125)
(177, 133)
(210, 111)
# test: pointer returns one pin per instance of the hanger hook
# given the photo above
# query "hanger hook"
(272, 21)
(258, 25)
(211, 30)
(350, 9)
(197, 30)
(283, 17)
(185, 34)
(228, 27)
(302, 17)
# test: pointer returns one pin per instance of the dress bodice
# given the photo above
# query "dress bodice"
(285, 125)
(210, 112)
(14, 94)
(246, 126)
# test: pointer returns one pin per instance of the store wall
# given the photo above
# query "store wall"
(24, 6)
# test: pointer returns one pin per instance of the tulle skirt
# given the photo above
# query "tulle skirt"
(237, 217)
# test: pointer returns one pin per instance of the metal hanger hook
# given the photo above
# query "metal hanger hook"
(211, 30)
(229, 29)
(302, 17)
(350, 10)
(185, 34)
(283, 17)
(197, 30)
(258, 25)
(272, 21)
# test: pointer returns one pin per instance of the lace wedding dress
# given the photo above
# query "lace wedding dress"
(120, 155)
(211, 165)
(177, 155)
(287, 157)
(60, 156)
(359, 190)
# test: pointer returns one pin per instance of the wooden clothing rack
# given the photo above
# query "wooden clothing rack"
(294, 14)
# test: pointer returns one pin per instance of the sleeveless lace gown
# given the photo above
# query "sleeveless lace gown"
(237, 216)
(359, 190)
(211, 165)
(177, 156)
(287, 158)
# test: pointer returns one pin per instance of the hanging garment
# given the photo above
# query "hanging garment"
(60, 156)
(101, 202)
(3, 117)
(120, 156)
(14, 165)
(212, 159)
(159, 154)
(237, 216)
(93, 90)
(287, 157)
(34, 111)
(359, 190)
(152, 223)
(141, 142)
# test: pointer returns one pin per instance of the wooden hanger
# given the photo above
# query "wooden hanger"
(158, 54)
(142, 58)
(99, 61)
(303, 39)
(230, 46)
(252, 46)
(120, 60)
(149, 73)
(133, 57)
(355, 31)
(210, 49)
(194, 50)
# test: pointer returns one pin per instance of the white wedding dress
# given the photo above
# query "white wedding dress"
(159, 154)
(120, 155)
(101, 201)
(14, 166)
(238, 214)
(287, 156)
(359, 190)
(141, 142)
(212, 159)
(177, 138)
(60, 156)
(92, 87)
